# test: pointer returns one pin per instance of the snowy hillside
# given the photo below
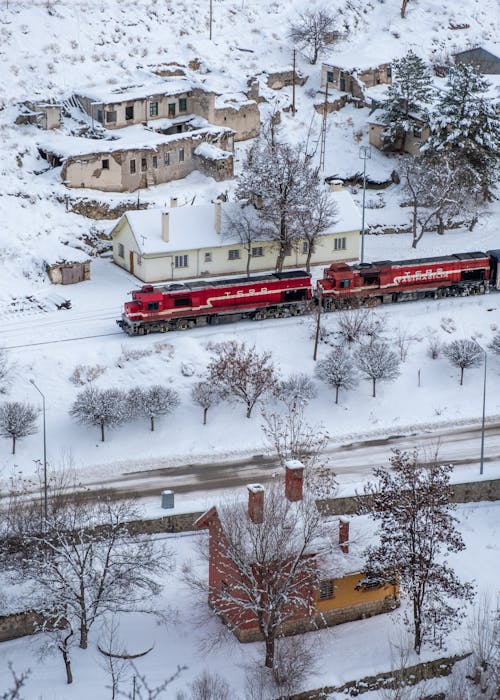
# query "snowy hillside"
(51, 48)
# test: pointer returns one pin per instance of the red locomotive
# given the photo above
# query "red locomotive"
(180, 306)
(460, 274)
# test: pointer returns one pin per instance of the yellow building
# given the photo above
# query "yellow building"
(196, 241)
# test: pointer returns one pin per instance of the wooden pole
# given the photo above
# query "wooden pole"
(293, 85)
(318, 322)
(210, 22)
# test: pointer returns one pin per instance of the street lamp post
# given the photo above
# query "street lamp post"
(45, 489)
(481, 461)
(365, 153)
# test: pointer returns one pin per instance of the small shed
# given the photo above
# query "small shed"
(68, 266)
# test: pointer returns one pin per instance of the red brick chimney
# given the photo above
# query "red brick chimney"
(294, 477)
(344, 536)
(255, 503)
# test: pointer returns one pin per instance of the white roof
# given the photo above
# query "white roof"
(132, 137)
(192, 227)
(107, 95)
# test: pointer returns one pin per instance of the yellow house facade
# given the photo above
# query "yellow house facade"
(196, 241)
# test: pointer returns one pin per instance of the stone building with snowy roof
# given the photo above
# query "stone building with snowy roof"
(185, 242)
(414, 138)
(353, 80)
(140, 158)
(331, 590)
(176, 98)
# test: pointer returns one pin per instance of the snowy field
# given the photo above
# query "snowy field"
(343, 653)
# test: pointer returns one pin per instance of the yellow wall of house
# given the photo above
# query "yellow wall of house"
(161, 267)
(346, 594)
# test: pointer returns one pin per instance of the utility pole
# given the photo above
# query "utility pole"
(323, 131)
(365, 152)
(210, 21)
(318, 321)
(293, 85)
(45, 485)
(481, 461)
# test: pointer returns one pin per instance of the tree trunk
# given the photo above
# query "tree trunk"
(249, 257)
(67, 666)
(84, 635)
(373, 385)
(309, 255)
(13, 444)
(269, 652)
(337, 394)
(281, 258)
(404, 5)
(461, 376)
(417, 623)
(102, 431)
(152, 423)
(249, 410)
(205, 411)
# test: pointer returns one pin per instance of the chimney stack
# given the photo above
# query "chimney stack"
(218, 217)
(164, 226)
(173, 202)
(344, 536)
(294, 477)
(256, 503)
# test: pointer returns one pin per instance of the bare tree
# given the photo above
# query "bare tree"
(265, 565)
(297, 389)
(417, 530)
(89, 562)
(105, 408)
(312, 31)
(378, 361)
(291, 437)
(17, 420)
(463, 354)
(18, 681)
(208, 686)
(206, 394)
(241, 373)
(141, 688)
(404, 340)
(316, 220)
(242, 224)
(484, 639)
(338, 370)
(154, 401)
(434, 347)
(495, 343)
(353, 324)
(436, 191)
(282, 184)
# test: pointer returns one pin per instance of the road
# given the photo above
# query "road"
(354, 460)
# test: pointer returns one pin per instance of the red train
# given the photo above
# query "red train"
(275, 295)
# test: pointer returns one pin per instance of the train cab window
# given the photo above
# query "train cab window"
(182, 301)
(152, 306)
(344, 284)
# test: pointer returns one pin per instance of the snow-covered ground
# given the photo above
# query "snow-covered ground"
(48, 50)
(343, 653)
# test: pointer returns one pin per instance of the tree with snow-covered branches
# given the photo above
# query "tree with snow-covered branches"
(241, 373)
(311, 32)
(495, 343)
(242, 223)
(105, 408)
(417, 531)
(464, 122)
(17, 420)
(409, 95)
(88, 562)
(463, 353)
(5, 370)
(437, 192)
(297, 390)
(280, 181)
(317, 219)
(338, 370)
(354, 323)
(266, 563)
(377, 361)
(291, 437)
(206, 394)
(152, 402)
